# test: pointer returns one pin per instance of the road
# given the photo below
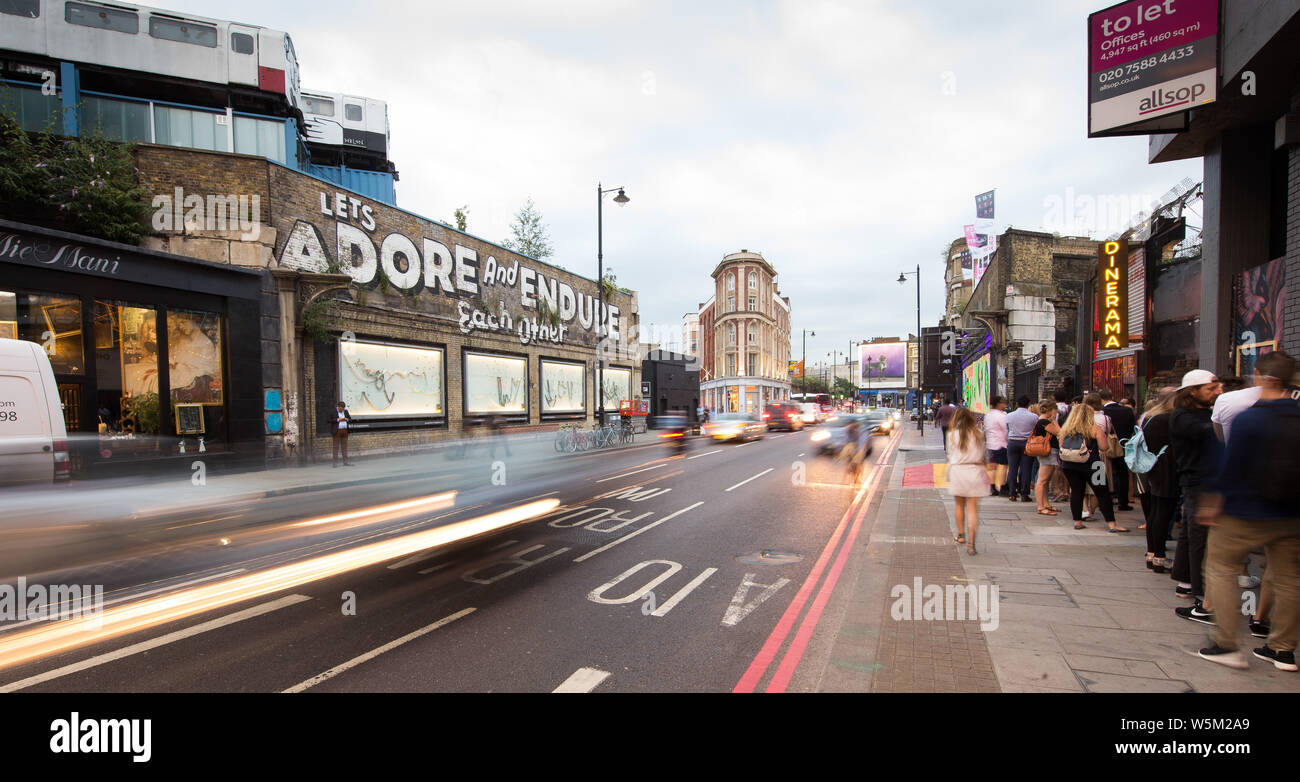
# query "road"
(648, 572)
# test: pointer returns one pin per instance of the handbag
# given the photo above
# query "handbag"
(1038, 445)
(1114, 448)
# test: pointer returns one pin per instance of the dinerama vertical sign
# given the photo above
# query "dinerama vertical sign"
(1112, 294)
(1149, 61)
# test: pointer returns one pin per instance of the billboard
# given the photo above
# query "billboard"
(1148, 63)
(564, 387)
(975, 385)
(882, 365)
(1259, 312)
(390, 381)
(495, 384)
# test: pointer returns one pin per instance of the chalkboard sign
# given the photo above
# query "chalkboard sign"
(189, 419)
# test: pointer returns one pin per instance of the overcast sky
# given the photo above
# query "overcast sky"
(844, 140)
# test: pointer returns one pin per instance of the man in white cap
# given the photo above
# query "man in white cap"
(1193, 445)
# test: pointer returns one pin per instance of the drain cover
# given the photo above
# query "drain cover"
(770, 557)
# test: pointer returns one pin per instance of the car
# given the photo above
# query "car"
(735, 426)
(881, 422)
(33, 437)
(811, 413)
(783, 415)
(832, 437)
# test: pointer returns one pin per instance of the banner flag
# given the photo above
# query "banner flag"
(984, 205)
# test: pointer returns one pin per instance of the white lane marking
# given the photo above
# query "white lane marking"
(153, 643)
(634, 533)
(429, 570)
(373, 653)
(742, 445)
(775, 436)
(122, 598)
(503, 545)
(634, 472)
(739, 609)
(747, 480)
(539, 496)
(706, 453)
(683, 592)
(597, 595)
(800, 455)
(583, 680)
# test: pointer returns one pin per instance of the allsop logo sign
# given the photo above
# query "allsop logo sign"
(1149, 61)
(1112, 290)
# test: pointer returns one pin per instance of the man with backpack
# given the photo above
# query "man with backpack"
(1256, 502)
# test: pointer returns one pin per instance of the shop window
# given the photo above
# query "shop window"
(34, 110)
(195, 377)
(260, 137)
(53, 322)
(180, 127)
(126, 371)
(119, 120)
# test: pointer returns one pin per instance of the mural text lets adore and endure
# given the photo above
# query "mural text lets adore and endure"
(456, 272)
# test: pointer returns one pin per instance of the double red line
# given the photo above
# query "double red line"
(856, 511)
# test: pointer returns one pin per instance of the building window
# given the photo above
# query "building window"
(731, 282)
(753, 302)
(731, 364)
(195, 375)
(179, 127)
(753, 281)
(731, 304)
(731, 334)
(260, 137)
(119, 120)
(351, 112)
(33, 109)
(752, 334)
(753, 364)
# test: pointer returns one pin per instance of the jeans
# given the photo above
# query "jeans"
(1189, 556)
(1019, 469)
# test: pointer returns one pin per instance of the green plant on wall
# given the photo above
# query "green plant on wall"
(315, 324)
(547, 315)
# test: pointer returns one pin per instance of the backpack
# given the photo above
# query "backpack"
(1074, 448)
(1137, 456)
(1277, 463)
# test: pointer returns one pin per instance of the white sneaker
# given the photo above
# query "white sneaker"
(1086, 514)
(1247, 582)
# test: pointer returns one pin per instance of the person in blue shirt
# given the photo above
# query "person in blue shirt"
(1254, 501)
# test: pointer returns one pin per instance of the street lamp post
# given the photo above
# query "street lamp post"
(619, 199)
(920, 346)
(803, 374)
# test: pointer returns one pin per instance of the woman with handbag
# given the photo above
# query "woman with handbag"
(1047, 448)
(1083, 466)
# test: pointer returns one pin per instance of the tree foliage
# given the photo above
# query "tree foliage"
(87, 185)
(531, 236)
(461, 217)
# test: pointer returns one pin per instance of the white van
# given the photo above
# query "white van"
(33, 440)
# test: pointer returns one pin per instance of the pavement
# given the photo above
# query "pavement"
(1078, 610)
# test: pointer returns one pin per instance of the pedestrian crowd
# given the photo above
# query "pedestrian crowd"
(1213, 464)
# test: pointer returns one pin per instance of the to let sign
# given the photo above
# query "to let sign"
(1112, 293)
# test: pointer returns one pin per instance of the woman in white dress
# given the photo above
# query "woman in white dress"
(968, 479)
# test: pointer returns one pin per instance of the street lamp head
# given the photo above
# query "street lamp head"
(901, 278)
(621, 198)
